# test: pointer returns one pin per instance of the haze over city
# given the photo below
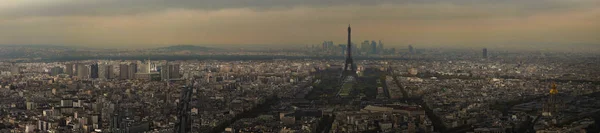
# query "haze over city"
(291, 66)
(563, 25)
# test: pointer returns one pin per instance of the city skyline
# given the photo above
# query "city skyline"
(531, 24)
(189, 89)
(291, 66)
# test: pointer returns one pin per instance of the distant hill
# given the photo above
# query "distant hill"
(41, 46)
(8, 51)
(186, 47)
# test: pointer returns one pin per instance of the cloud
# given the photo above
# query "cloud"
(149, 23)
(22, 8)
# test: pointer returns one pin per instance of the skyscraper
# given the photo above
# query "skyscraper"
(164, 72)
(144, 67)
(380, 49)
(170, 71)
(55, 71)
(108, 72)
(76, 67)
(82, 71)
(69, 69)
(153, 67)
(94, 71)
(174, 71)
(411, 49)
(149, 66)
(373, 47)
(342, 48)
(132, 71)
(328, 45)
(123, 71)
(365, 47)
(485, 53)
(349, 61)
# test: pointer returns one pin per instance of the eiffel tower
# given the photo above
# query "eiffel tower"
(348, 75)
(348, 66)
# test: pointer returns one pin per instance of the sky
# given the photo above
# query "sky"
(531, 24)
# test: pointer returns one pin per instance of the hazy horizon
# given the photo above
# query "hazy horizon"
(556, 25)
